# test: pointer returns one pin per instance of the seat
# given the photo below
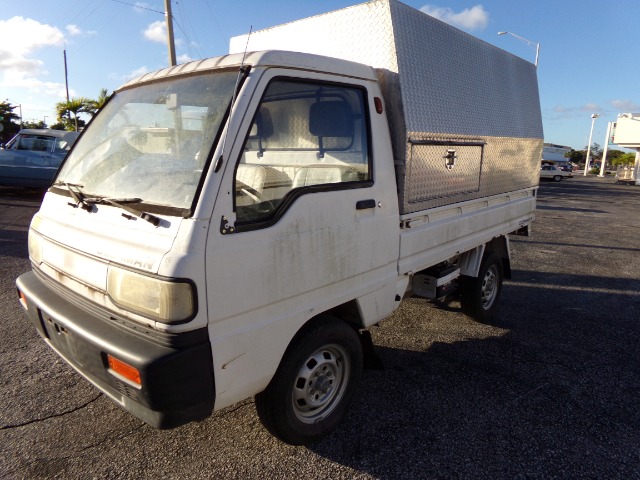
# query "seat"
(317, 175)
(252, 175)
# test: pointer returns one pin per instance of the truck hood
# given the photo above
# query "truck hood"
(103, 236)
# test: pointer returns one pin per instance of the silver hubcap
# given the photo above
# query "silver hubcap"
(489, 288)
(320, 383)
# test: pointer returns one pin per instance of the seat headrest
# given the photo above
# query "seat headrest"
(330, 119)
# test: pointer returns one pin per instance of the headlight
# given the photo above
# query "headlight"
(161, 300)
(35, 247)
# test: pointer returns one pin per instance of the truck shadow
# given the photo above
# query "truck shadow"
(553, 386)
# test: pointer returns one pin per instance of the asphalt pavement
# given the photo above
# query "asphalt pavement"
(550, 390)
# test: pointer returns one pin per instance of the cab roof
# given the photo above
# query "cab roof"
(267, 58)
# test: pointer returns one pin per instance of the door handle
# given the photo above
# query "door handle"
(364, 204)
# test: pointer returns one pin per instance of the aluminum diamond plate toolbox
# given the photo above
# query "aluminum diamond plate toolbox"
(464, 115)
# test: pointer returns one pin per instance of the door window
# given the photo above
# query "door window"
(305, 137)
(34, 143)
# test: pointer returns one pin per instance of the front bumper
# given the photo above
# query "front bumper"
(176, 370)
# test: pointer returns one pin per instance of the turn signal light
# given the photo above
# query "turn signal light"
(124, 369)
(377, 101)
(23, 300)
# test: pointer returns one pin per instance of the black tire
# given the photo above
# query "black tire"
(479, 295)
(314, 384)
(557, 178)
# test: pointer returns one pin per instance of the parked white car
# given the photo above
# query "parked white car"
(554, 173)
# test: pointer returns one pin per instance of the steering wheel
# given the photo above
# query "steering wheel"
(261, 206)
(250, 192)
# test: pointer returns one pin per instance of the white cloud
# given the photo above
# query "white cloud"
(591, 107)
(156, 32)
(21, 36)
(563, 111)
(11, 65)
(40, 87)
(625, 106)
(184, 58)
(474, 18)
(20, 39)
(136, 73)
(76, 31)
(139, 71)
(124, 78)
(73, 30)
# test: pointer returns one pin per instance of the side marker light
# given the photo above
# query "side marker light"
(127, 371)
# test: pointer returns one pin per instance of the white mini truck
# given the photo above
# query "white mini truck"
(232, 227)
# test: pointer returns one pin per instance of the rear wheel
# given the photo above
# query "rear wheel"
(479, 295)
(557, 178)
(314, 384)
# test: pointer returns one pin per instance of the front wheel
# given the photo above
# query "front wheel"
(557, 178)
(314, 384)
(479, 295)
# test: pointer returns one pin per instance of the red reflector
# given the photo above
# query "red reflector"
(377, 101)
(124, 369)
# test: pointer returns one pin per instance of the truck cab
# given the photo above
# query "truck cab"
(207, 217)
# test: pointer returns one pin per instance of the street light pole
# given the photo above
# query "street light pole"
(528, 42)
(606, 148)
(586, 164)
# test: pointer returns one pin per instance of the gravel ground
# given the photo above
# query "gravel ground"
(550, 390)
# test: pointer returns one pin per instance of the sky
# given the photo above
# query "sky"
(589, 49)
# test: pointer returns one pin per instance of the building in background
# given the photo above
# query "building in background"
(626, 133)
(554, 154)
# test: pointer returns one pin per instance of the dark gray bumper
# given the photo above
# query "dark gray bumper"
(176, 369)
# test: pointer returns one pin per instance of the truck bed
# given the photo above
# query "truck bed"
(431, 236)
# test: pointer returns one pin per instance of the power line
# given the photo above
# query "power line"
(139, 6)
(191, 31)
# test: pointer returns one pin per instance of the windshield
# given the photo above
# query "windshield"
(152, 141)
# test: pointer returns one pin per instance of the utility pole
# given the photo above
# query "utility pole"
(170, 42)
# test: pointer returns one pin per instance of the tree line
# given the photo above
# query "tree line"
(68, 115)
(614, 157)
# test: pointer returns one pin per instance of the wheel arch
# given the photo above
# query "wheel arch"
(500, 245)
(471, 260)
(349, 313)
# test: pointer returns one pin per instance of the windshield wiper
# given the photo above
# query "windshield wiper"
(120, 203)
(77, 195)
(87, 203)
(108, 200)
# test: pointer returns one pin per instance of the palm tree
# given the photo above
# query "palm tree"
(97, 104)
(75, 106)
